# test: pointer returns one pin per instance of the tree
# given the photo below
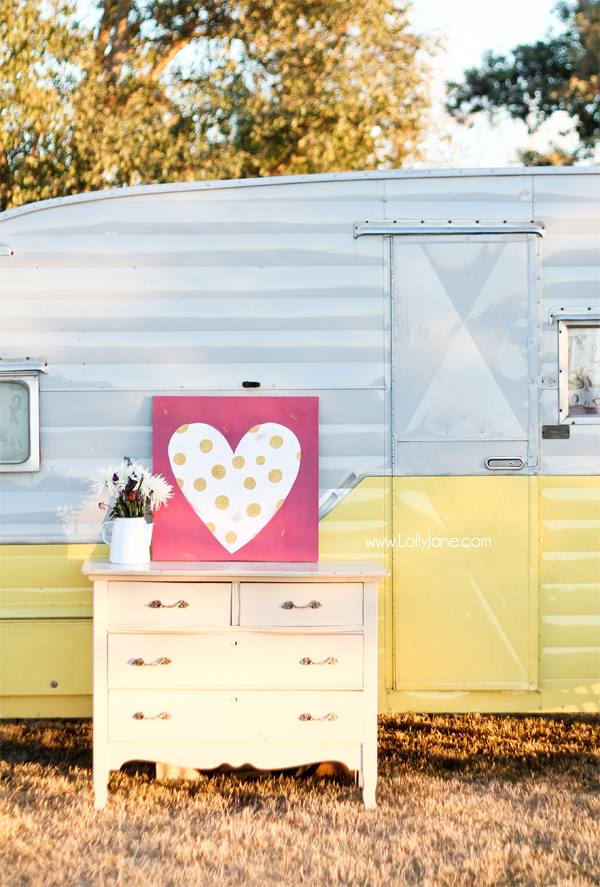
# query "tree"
(558, 74)
(179, 90)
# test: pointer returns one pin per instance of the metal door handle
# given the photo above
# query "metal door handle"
(331, 660)
(164, 660)
(504, 463)
(308, 717)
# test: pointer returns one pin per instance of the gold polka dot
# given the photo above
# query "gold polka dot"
(199, 484)
(230, 537)
(182, 428)
(249, 483)
(222, 502)
(205, 446)
(238, 462)
(255, 429)
(276, 441)
(254, 535)
(280, 503)
(211, 527)
(253, 510)
(178, 458)
(275, 475)
(218, 471)
(179, 482)
(298, 456)
(260, 460)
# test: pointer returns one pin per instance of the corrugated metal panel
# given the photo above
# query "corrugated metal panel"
(485, 197)
(194, 288)
(191, 291)
(570, 278)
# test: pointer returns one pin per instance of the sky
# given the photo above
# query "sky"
(467, 28)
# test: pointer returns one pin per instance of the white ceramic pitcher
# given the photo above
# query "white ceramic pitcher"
(130, 540)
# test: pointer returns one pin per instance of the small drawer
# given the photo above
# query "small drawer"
(169, 605)
(302, 604)
(235, 660)
(185, 716)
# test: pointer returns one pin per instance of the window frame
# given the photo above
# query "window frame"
(30, 377)
(563, 371)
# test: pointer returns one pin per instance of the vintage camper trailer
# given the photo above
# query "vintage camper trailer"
(449, 323)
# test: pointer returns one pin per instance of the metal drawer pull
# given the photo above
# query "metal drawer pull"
(157, 605)
(290, 605)
(164, 660)
(331, 660)
(163, 716)
(308, 717)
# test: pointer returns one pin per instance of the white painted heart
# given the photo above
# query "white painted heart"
(235, 494)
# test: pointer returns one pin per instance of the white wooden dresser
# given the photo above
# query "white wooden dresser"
(272, 665)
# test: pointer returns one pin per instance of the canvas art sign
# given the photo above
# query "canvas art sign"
(245, 474)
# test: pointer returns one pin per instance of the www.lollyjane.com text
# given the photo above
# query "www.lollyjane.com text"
(424, 543)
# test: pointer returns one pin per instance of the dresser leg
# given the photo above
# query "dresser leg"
(100, 793)
(368, 783)
(100, 783)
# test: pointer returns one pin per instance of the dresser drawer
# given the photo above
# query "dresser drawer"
(230, 660)
(243, 716)
(169, 605)
(302, 604)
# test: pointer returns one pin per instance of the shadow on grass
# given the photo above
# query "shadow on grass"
(479, 746)
(491, 746)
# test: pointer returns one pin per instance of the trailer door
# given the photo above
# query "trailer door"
(464, 321)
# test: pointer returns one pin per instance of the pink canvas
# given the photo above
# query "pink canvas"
(245, 476)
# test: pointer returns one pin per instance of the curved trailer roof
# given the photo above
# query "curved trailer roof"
(377, 174)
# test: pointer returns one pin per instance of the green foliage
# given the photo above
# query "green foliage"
(176, 90)
(559, 74)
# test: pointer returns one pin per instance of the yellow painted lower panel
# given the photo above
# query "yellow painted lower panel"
(345, 533)
(462, 583)
(571, 663)
(570, 599)
(46, 706)
(45, 580)
(34, 654)
(460, 701)
(571, 696)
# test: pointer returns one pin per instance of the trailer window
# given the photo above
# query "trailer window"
(580, 372)
(20, 415)
(14, 422)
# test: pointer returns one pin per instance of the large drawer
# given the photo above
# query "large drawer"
(301, 604)
(169, 605)
(243, 716)
(235, 660)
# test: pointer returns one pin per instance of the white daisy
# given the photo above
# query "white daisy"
(160, 490)
(105, 479)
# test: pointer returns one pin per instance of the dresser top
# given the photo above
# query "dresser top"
(97, 568)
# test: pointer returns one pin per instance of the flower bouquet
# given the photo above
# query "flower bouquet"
(133, 494)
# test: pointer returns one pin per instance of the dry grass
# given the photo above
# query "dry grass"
(462, 800)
